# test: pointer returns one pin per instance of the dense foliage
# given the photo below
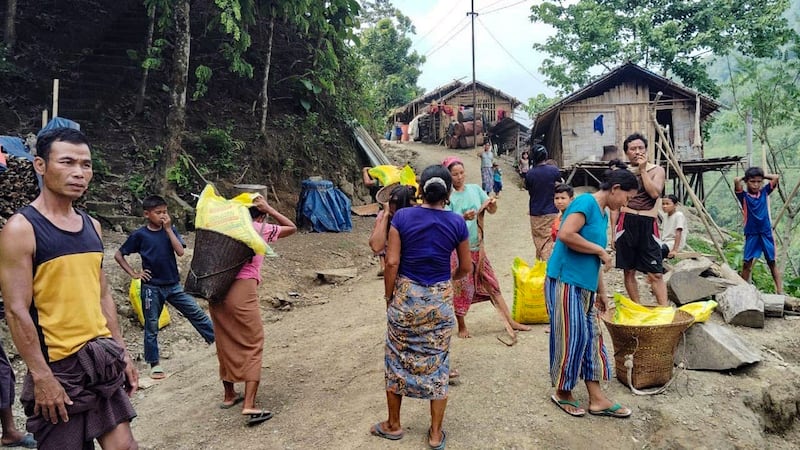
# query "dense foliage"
(666, 36)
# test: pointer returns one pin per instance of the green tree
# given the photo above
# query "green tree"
(390, 68)
(769, 90)
(666, 36)
(538, 104)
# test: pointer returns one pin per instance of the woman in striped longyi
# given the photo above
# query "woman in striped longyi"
(575, 293)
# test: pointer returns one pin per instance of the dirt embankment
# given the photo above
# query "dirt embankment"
(323, 365)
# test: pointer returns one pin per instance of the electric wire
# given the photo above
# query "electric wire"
(503, 7)
(447, 40)
(510, 55)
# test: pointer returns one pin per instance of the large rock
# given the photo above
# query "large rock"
(686, 287)
(742, 305)
(715, 347)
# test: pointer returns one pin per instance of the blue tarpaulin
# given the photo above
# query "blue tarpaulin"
(59, 122)
(324, 207)
(15, 146)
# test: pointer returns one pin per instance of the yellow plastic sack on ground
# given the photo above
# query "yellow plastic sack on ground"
(529, 304)
(385, 174)
(135, 296)
(229, 217)
(700, 310)
(628, 312)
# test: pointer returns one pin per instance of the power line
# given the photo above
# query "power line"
(511, 56)
(503, 7)
(447, 40)
(431, 30)
(491, 4)
(446, 37)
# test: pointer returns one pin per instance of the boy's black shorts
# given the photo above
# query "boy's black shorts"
(638, 244)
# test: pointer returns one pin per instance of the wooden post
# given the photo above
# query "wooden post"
(702, 212)
(44, 117)
(55, 97)
(786, 204)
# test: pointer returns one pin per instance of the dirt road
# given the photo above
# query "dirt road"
(323, 366)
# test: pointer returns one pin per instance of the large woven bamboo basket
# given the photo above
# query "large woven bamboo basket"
(653, 349)
(216, 261)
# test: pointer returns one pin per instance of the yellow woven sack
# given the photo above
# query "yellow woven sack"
(135, 296)
(385, 174)
(529, 304)
(229, 217)
(628, 312)
(700, 310)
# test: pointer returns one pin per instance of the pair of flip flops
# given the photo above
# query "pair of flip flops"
(27, 441)
(259, 417)
(616, 411)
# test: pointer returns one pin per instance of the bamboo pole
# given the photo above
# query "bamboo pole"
(44, 118)
(55, 97)
(786, 204)
(702, 212)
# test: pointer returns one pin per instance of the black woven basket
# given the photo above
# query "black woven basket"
(216, 261)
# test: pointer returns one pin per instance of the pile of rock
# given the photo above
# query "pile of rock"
(711, 346)
(19, 187)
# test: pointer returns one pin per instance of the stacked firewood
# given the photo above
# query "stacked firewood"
(18, 187)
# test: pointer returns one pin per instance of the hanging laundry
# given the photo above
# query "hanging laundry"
(598, 124)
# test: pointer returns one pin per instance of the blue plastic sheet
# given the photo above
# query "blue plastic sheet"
(324, 207)
(15, 146)
(59, 122)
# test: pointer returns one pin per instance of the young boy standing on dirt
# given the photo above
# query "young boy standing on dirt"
(497, 177)
(157, 243)
(758, 237)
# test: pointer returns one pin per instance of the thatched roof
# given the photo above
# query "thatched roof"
(450, 90)
(626, 72)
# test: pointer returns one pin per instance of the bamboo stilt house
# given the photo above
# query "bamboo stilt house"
(591, 123)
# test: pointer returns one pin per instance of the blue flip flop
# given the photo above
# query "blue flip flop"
(27, 441)
(376, 430)
(441, 445)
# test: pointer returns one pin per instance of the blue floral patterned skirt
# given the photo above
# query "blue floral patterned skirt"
(420, 322)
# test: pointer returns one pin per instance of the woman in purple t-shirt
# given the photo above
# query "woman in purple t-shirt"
(419, 303)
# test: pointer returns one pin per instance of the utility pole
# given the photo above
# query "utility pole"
(749, 137)
(474, 92)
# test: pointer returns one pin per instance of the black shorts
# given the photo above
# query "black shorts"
(638, 244)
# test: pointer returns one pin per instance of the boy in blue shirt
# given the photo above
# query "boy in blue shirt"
(758, 237)
(157, 243)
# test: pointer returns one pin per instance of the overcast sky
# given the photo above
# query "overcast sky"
(504, 36)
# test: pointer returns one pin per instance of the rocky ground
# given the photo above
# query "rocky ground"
(323, 366)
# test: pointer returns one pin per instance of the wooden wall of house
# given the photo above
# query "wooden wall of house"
(683, 130)
(626, 109)
(487, 105)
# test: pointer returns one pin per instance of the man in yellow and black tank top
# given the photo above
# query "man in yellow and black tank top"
(60, 311)
(66, 294)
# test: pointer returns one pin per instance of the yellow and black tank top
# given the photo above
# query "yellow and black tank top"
(66, 286)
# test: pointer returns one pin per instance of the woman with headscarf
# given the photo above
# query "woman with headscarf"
(419, 304)
(470, 202)
(237, 321)
(575, 294)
